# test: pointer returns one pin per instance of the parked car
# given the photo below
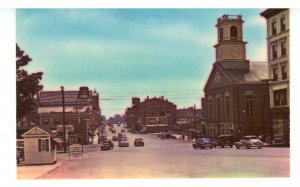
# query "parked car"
(103, 138)
(249, 142)
(123, 138)
(122, 130)
(203, 143)
(107, 145)
(113, 131)
(139, 142)
(123, 144)
(115, 138)
(279, 140)
(224, 140)
(167, 136)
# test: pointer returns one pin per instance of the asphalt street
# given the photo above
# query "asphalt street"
(169, 158)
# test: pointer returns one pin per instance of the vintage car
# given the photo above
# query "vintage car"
(113, 131)
(203, 143)
(123, 144)
(279, 140)
(224, 140)
(249, 142)
(167, 136)
(139, 142)
(107, 145)
(115, 138)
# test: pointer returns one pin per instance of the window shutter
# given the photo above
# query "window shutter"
(47, 145)
(40, 145)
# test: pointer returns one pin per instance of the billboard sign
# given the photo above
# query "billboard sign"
(157, 121)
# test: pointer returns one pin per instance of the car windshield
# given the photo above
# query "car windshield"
(250, 137)
(204, 140)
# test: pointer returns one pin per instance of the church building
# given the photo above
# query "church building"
(236, 92)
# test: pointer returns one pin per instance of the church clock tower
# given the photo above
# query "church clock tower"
(230, 47)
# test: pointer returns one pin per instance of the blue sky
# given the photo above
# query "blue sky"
(130, 52)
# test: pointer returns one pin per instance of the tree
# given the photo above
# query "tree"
(28, 85)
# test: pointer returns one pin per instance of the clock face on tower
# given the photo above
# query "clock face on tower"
(234, 51)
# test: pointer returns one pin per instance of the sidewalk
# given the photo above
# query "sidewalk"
(35, 171)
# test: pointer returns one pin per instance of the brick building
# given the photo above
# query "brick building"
(278, 39)
(82, 113)
(236, 91)
(186, 118)
(151, 115)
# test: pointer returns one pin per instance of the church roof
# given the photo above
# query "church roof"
(258, 71)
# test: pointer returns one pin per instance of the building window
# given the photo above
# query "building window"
(275, 74)
(43, 145)
(218, 107)
(210, 109)
(274, 28)
(221, 34)
(249, 105)
(45, 122)
(284, 72)
(57, 122)
(233, 33)
(282, 24)
(227, 106)
(283, 48)
(74, 120)
(280, 97)
(274, 51)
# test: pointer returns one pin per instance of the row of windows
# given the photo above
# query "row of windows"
(282, 25)
(248, 107)
(59, 121)
(218, 108)
(283, 50)
(283, 73)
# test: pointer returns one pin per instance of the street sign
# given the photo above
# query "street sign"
(75, 150)
(91, 148)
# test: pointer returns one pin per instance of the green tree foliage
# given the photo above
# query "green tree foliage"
(27, 84)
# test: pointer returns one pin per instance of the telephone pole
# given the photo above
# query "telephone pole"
(64, 123)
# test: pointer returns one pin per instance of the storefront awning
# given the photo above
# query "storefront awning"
(58, 140)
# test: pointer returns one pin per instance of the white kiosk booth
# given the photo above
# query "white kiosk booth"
(39, 148)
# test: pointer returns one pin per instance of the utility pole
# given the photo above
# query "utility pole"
(64, 123)
(195, 118)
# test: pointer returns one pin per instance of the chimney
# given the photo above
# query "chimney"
(162, 97)
(83, 92)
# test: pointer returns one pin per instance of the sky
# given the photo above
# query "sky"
(124, 53)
